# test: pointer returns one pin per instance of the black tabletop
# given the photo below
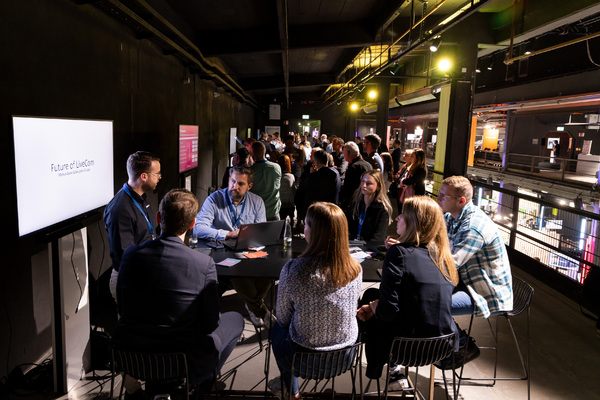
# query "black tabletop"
(270, 266)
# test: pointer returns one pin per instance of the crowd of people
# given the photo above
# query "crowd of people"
(446, 259)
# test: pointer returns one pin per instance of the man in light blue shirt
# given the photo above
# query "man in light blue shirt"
(220, 218)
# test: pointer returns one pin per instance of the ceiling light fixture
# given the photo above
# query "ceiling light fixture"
(435, 44)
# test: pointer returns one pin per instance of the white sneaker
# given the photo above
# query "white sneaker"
(257, 322)
(276, 387)
(399, 383)
(270, 319)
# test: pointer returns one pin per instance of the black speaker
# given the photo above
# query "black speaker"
(543, 141)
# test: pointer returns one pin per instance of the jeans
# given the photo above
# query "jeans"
(283, 350)
(462, 304)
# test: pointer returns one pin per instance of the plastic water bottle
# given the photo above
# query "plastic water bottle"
(287, 234)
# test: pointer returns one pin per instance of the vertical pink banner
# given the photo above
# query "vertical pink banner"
(188, 147)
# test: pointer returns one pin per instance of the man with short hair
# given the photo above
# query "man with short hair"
(168, 296)
(319, 185)
(220, 218)
(485, 287)
(372, 142)
(396, 155)
(356, 167)
(338, 156)
(267, 179)
(128, 217)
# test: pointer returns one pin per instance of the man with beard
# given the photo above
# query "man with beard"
(220, 218)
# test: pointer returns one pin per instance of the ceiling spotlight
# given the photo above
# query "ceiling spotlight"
(435, 44)
(394, 69)
(372, 94)
(361, 88)
(354, 106)
(444, 65)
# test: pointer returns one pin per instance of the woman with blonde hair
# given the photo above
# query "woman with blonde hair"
(317, 295)
(417, 280)
(370, 212)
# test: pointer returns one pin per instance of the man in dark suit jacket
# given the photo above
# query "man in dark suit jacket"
(319, 185)
(168, 296)
(356, 167)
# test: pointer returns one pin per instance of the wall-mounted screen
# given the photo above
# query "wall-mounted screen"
(188, 147)
(64, 169)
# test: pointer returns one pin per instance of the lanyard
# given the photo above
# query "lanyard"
(235, 220)
(126, 188)
(361, 219)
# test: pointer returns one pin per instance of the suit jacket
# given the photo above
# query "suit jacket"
(320, 185)
(168, 301)
(352, 180)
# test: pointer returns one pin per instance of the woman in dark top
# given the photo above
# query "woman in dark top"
(418, 276)
(370, 211)
(414, 178)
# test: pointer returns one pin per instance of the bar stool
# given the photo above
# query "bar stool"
(522, 295)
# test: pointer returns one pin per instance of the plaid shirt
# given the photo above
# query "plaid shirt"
(481, 260)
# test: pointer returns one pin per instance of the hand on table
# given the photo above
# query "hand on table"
(232, 234)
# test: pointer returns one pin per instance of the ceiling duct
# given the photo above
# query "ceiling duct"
(418, 96)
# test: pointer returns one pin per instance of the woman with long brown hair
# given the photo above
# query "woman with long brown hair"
(317, 295)
(371, 211)
(413, 182)
(415, 295)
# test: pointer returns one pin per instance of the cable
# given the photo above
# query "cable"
(587, 45)
(76, 274)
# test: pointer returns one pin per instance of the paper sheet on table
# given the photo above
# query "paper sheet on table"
(228, 262)
(360, 256)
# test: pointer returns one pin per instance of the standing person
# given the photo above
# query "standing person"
(220, 218)
(267, 178)
(168, 296)
(356, 167)
(317, 295)
(371, 212)
(129, 220)
(413, 183)
(415, 296)
(338, 178)
(319, 185)
(242, 157)
(555, 153)
(372, 142)
(485, 286)
(287, 189)
(338, 156)
(401, 175)
(388, 170)
(396, 155)
(128, 216)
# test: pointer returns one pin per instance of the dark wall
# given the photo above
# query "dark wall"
(61, 59)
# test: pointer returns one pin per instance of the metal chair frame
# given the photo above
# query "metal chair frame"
(419, 352)
(522, 296)
(150, 367)
(321, 365)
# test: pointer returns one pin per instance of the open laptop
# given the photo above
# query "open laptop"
(254, 235)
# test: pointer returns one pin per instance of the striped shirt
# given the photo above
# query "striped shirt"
(319, 315)
(481, 260)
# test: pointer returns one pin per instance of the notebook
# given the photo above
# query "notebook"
(254, 235)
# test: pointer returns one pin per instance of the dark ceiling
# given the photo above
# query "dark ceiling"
(320, 50)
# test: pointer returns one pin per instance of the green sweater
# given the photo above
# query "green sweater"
(267, 178)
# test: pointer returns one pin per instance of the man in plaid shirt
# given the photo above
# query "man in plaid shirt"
(485, 287)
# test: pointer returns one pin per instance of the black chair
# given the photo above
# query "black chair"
(148, 367)
(419, 352)
(522, 295)
(320, 365)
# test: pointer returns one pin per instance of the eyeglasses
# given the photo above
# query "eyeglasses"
(442, 196)
(158, 174)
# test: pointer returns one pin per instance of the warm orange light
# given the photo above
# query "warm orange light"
(372, 94)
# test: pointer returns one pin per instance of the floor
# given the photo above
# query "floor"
(565, 358)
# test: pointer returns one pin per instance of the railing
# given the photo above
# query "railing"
(584, 172)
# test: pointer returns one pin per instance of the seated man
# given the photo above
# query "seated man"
(485, 285)
(168, 296)
(220, 218)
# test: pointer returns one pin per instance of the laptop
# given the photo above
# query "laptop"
(254, 235)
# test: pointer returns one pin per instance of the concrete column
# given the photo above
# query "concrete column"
(383, 111)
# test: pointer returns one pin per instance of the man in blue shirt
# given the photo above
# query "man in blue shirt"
(220, 218)
(485, 287)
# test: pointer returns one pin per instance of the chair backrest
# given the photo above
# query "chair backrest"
(522, 295)
(417, 352)
(150, 367)
(320, 365)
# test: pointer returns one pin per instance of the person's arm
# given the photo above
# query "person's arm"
(415, 176)
(466, 244)
(391, 279)
(380, 229)
(284, 300)
(203, 229)
(121, 235)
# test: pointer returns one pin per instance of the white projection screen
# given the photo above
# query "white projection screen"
(64, 169)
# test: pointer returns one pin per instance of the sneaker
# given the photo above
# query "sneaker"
(269, 320)
(276, 387)
(398, 382)
(257, 322)
(137, 395)
(467, 353)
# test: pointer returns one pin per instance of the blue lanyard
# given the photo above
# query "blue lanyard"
(361, 219)
(235, 220)
(126, 188)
